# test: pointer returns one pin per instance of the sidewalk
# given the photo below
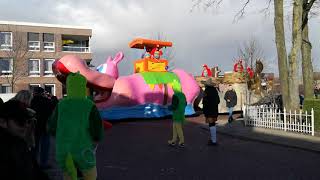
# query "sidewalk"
(238, 130)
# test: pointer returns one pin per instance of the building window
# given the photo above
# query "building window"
(48, 46)
(50, 88)
(48, 66)
(5, 40)
(6, 88)
(34, 67)
(6, 66)
(32, 86)
(33, 42)
(48, 42)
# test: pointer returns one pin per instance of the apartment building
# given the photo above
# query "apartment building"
(27, 51)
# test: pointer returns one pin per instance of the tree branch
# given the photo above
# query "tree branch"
(306, 9)
(211, 3)
(267, 8)
(241, 13)
(206, 3)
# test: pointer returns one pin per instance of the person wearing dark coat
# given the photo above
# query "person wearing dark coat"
(231, 101)
(44, 108)
(210, 103)
(317, 91)
(16, 159)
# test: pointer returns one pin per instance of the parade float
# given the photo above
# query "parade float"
(250, 84)
(144, 94)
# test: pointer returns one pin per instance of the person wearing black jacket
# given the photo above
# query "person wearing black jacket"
(231, 101)
(16, 159)
(210, 103)
(317, 91)
(44, 108)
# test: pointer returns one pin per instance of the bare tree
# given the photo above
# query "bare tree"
(251, 51)
(307, 69)
(216, 3)
(281, 49)
(252, 54)
(293, 56)
(288, 66)
(316, 67)
(18, 54)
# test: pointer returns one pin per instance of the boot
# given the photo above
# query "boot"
(229, 120)
(213, 135)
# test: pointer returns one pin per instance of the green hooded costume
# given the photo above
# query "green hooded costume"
(77, 125)
(178, 107)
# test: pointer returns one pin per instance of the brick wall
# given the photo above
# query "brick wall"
(22, 32)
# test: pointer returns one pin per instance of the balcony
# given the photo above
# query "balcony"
(75, 49)
(75, 43)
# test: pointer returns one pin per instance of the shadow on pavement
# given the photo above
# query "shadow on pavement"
(237, 129)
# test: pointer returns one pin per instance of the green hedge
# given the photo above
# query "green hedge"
(315, 104)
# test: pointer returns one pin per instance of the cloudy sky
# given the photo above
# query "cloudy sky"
(199, 37)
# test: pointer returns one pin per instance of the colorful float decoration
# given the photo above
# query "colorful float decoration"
(242, 78)
(144, 94)
(255, 80)
(238, 67)
(151, 61)
(206, 72)
(239, 73)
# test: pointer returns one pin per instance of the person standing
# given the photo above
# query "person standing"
(301, 100)
(231, 101)
(25, 98)
(210, 102)
(42, 105)
(317, 91)
(77, 126)
(178, 109)
(16, 158)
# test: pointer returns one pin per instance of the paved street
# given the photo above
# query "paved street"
(138, 150)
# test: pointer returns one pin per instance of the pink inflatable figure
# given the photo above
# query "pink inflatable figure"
(128, 96)
(71, 63)
(111, 65)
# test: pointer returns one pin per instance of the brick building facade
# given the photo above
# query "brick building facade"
(27, 51)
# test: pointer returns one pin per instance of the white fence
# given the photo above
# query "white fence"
(272, 117)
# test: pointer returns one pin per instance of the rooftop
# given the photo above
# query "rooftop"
(42, 25)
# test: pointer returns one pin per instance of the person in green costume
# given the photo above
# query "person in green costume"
(178, 108)
(77, 125)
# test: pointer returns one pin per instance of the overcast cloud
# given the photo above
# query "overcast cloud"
(199, 37)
